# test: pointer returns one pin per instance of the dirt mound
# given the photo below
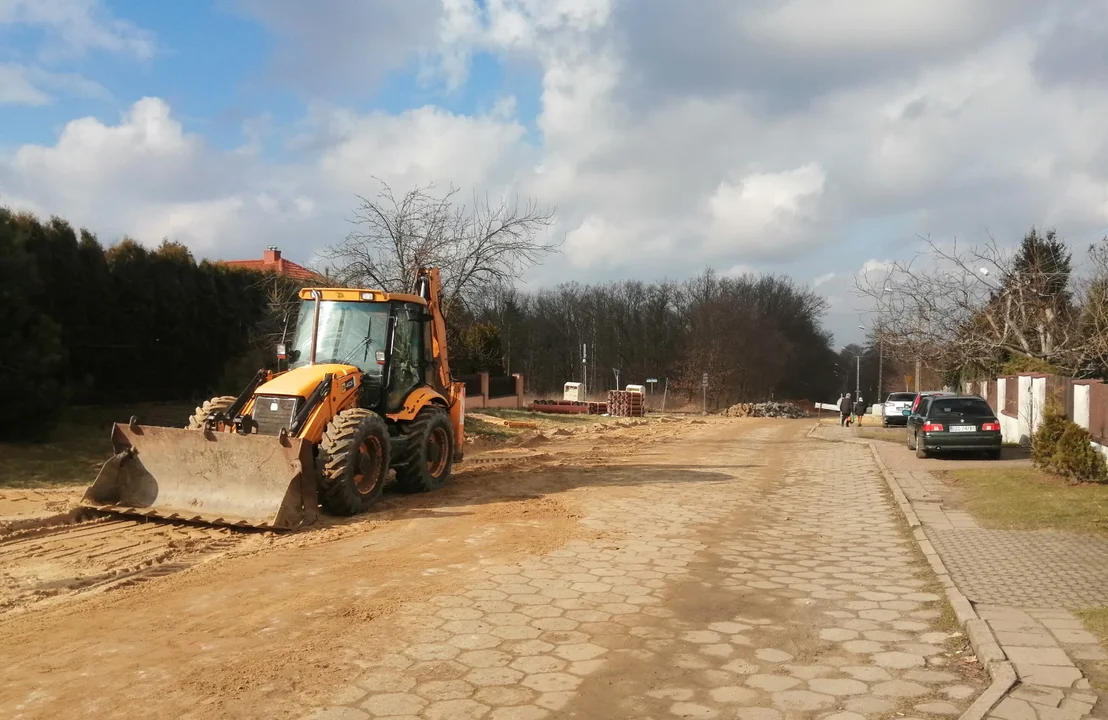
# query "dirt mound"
(769, 409)
(530, 439)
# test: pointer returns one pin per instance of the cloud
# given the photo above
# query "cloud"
(767, 214)
(76, 27)
(23, 85)
(16, 87)
(338, 48)
(146, 176)
(422, 145)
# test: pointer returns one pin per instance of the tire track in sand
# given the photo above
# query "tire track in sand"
(52, 559)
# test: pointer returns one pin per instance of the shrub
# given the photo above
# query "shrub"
(1076, 459)
(1047, 437)
(1020, 364)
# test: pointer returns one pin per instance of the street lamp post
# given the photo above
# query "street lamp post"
(857, 373)
(880, 366)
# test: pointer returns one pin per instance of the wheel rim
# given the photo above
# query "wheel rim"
(368, 472)
(438, 445)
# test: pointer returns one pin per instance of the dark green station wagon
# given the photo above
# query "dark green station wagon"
(954, 423)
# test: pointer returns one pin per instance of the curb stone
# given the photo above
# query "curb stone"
(981, 638)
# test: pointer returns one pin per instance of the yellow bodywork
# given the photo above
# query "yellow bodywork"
(356, 295)
(216, 474)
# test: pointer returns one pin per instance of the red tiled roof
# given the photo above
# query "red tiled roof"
(273, 262)
(279, 266)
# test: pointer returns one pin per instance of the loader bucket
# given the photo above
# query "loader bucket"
(204, 476)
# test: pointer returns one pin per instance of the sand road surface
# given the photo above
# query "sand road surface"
(730, 568)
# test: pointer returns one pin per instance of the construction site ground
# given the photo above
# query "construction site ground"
(583, 568)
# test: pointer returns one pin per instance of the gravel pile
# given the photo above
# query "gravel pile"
(766, 409)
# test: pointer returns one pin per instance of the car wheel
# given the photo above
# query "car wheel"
(921, 451)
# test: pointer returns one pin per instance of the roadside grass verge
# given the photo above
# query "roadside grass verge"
(540, 417)
(485, 430)
(893, 435)
(1096, 622)
(79, 445)
(1025, 498)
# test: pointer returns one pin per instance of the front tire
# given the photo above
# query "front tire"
(353, 461)
(196, 421)
(429, 454)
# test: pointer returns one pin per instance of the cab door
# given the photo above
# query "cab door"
(406, 371)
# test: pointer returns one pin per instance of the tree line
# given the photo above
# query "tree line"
(85, 324)
(756, 337)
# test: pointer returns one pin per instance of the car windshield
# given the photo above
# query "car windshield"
(952, 407)
(902, 397)
(349, 333)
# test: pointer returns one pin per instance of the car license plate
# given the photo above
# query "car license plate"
(963, 428)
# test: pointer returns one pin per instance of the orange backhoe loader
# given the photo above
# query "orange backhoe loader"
(368, 388)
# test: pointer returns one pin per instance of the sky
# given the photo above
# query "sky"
(804, 137)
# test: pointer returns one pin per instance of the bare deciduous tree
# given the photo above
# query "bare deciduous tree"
(980, 306)
(478, 247)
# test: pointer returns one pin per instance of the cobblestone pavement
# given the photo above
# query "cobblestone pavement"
(1022, 584)
(778, 585)
(1014, 568)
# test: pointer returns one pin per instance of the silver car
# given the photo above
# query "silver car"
(897, 408)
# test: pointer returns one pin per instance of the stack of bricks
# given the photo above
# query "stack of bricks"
(626, 404)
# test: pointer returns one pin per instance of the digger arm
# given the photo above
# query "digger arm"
(429, 286)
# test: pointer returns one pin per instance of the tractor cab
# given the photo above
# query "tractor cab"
(385, 336)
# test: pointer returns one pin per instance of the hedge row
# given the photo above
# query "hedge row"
(80, 323)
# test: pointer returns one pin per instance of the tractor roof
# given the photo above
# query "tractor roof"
(360, 295)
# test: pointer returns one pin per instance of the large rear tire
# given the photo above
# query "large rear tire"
(353, 462)
(196, 422)
(429, 455)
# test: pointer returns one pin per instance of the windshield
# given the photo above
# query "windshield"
(944, 407)
(902, 397)
(349, 333)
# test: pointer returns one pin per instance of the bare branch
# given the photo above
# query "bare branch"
(978, 307)
(479, 247)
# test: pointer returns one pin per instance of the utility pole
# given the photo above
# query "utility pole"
(585, 371)
(917, 374)
(857, 377)
(880, 370)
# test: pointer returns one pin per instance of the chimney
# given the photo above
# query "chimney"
(272, 254)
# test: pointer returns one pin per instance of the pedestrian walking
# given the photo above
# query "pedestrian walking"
(845, 406)
(859, 410)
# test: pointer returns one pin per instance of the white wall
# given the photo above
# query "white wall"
(1009, 426)
(1081, 405)
(1081, 408)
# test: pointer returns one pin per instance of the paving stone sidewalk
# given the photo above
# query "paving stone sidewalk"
(735, 591)
(1023, 584)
